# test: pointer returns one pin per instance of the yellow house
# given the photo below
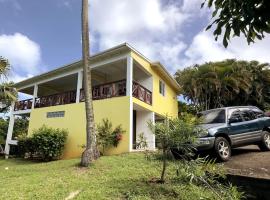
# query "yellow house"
(128, 89)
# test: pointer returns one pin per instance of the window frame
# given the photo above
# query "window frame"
(162, 91)
(250, 112)
(231, 111)
(55, 114)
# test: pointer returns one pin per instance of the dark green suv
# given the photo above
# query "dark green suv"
(230, 127)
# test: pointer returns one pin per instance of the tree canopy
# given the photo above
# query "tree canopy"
(7, 92)
(252, 18)
(226, 83)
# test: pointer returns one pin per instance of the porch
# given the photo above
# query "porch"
(108, 81)
(102, 91)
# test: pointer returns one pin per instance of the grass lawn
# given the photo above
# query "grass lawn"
(111, 177)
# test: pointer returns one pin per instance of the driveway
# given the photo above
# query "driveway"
(249, 161)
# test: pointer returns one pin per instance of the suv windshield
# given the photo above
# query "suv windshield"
(213, 116)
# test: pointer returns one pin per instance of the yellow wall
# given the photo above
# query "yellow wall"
(115, 109)
(163, 105)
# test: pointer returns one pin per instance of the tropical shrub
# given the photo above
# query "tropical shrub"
(107, 136)
(174, 134)
(20, 127)
(19, 130)
(180, 134)
(26, 147)
(46, 143)
(3, 130)
(205, 172)
(141, 142)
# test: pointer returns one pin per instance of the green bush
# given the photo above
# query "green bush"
(46, 143)
(25, 146)
(107, 136)
(20, 128)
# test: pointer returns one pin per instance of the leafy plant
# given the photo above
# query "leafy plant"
(176, 134)
(231, 18)
(203, 171)
(26, 146)
(3, 130)
(107, 136)
(180, 135)
(7, 92)
(20, 129)
(141, 142)
(46, 143)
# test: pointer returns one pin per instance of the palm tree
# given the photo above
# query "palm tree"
(4, 67)
(90, 153)
(7, 92)
(226, 83)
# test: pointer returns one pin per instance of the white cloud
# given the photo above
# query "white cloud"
(204, 48)
(150, 26)
(23, 54)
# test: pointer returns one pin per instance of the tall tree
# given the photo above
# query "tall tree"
(7, 92)
(226, 83)
(249, 17)
(90, 153)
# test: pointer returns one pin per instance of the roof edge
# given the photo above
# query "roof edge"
(172, 80)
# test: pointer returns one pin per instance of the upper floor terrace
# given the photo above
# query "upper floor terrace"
(114, 74)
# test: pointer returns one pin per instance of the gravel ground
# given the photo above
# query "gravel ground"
(249, 161)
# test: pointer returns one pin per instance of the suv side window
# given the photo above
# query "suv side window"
(236, 115)
(247, 114)
(257, 113)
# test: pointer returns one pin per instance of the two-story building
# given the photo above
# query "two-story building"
(128, 89)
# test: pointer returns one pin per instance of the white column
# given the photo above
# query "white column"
(129, 94)
(10, 130)
(153, 135)
(34, 95)
(129, 75)
(79, 86)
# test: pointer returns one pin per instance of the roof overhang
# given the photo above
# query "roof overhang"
(109, 53)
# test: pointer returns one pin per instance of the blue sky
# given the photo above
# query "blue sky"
(37, 36)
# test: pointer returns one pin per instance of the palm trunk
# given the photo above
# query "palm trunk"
(91, 152)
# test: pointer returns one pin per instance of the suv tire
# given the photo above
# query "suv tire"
(265, 143)
(222, 149)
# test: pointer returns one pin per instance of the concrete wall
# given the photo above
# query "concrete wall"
(115, 109)
(162, 105)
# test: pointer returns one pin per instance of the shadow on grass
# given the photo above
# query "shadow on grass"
(25, 161)
(145, 188)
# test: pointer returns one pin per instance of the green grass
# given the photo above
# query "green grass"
(111, 177)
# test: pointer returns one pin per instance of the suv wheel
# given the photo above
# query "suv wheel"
(222, 149)
(265, 143)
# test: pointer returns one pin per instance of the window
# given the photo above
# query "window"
(162, 87)
(213, 116)
(247, 114)
(55, 114)
(236, 116)
(257, 113)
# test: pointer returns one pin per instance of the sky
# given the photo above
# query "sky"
(37, 36)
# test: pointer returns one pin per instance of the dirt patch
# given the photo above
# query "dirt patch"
(249, 161)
